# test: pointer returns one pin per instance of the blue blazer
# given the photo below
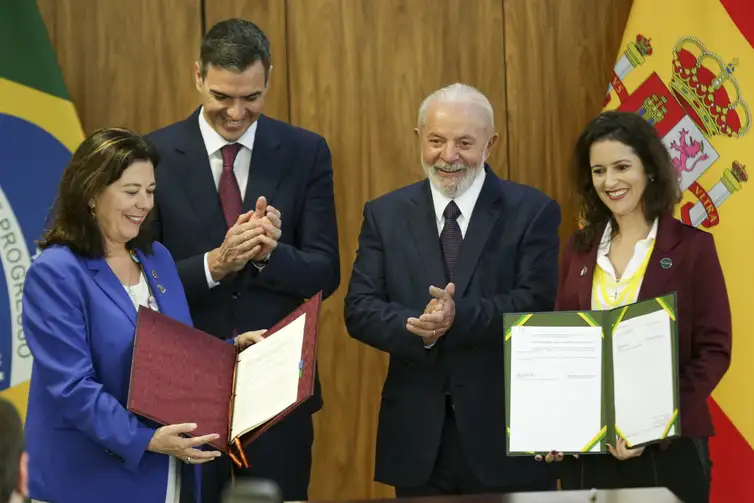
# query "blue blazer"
(79, 323)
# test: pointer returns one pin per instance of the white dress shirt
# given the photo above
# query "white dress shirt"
(213, 142)
(465, 203)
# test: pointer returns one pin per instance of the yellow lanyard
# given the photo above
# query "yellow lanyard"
(630, 284)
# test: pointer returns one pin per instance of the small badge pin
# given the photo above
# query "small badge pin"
(161, 288)
(583, 270)
(154, 274)
(666, 263)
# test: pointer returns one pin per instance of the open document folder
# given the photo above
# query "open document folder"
(576, 380)
(183, 375)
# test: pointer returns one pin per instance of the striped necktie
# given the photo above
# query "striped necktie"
(451, 239)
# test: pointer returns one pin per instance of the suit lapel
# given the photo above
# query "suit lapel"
(664, 261)
(155, 284)
(422, 224)
(266, 169)
(585, 266)
(108, 282)
(196, 176)
(487, 210)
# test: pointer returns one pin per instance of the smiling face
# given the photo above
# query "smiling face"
(232, 100)
(122, 207)
(618, 176)
(456, 139)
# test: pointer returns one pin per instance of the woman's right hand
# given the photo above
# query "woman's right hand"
(550, 457)
(169, 440)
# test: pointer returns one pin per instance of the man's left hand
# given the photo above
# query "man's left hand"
(432, 325)
(270, 220)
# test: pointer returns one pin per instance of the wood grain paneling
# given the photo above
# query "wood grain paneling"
(358, 70)
(269, 15)
(558, 59)
(127, 63)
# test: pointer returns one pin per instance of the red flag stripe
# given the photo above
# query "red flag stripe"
(742, 14)
(732, 461)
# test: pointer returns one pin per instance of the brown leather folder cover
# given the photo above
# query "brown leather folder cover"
(180, 374)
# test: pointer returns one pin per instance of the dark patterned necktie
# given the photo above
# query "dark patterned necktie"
(451, 239)
(230, 194)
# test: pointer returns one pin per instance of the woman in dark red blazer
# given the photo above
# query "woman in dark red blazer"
(629, 248)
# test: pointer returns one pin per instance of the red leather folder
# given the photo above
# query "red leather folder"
(180, 374)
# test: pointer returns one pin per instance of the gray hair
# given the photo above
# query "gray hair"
(458, 93)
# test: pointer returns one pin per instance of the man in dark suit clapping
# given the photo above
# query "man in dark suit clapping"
(245, 205)
(439, 263)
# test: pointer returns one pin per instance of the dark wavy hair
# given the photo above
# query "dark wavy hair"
(661, 194)
(11, 448)
(99, 162)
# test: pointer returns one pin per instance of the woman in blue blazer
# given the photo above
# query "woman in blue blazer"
(80, 301)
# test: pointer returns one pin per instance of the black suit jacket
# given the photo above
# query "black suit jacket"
(292, 168)
(508, 263)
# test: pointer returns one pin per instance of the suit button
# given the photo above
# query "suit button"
(235, 295)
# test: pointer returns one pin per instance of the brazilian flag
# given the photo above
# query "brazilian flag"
(39, 130)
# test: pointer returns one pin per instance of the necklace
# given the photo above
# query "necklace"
(134, 290)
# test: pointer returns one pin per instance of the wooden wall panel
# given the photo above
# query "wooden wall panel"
(269, 15)
(127, 63)
(558, 60)
(358, 70)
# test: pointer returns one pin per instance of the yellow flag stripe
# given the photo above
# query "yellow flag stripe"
(666, 308)
(523, 319)
(670, 423)
(618, 430)
(18, 395)
(597, 438)
(620, 316)
(55, 115)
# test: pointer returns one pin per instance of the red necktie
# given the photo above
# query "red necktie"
(230, 194)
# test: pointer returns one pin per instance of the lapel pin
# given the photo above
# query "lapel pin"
(161, 288)
(583, 270)
(154, 274)
(666, 263)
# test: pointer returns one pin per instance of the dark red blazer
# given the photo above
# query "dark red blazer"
(704, 324)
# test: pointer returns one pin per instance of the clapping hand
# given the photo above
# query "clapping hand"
(438, 316)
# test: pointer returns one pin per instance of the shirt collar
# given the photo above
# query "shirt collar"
(465, 201)
(604, 248)
(214, 142)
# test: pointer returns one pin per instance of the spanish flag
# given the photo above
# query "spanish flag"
(39, 130)
(687, 66)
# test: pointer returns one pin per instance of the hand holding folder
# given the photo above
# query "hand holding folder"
(180, 374)
(609, 375)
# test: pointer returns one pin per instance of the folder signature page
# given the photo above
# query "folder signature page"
(267, 377)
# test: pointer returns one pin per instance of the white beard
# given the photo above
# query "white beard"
(451, 187)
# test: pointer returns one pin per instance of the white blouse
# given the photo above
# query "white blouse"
(140, 295)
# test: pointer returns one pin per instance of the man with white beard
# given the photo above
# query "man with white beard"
(439, 263)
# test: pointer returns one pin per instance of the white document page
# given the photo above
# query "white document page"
(267, 377)
(555, 388)
(643, 370)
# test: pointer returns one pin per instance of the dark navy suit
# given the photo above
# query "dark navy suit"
(292, 168)
(508, 263)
